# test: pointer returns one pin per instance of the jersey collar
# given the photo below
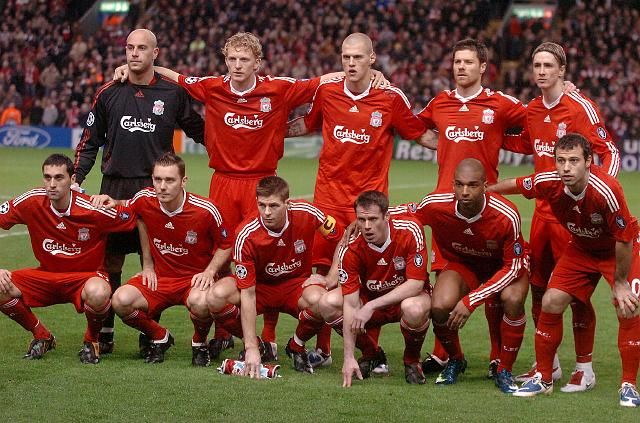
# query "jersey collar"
(554, 104)
(471, 97)
(247, 91)
(277, 234)
(385, 245)
(474, 218)
(178, 210)
(580, 196)
(354, 97)
(65, 213)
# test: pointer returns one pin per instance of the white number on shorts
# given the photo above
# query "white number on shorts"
(635, 286)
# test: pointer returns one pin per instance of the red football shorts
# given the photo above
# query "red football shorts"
(437, 261)
(577, 272)
(282, 297)
(391, 314)
(322, 248)
(170, 292)
(470, 278)
(41, 289)
(234, 197)
(547, 242)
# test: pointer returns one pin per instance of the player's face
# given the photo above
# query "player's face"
(572, 168)
(168, 184)
(273, 212)
(467, 69)
(140, 52)
(469, 186)
(242, 64)
(357, 61)
(373, 224)
(57, 183)
(546, 70)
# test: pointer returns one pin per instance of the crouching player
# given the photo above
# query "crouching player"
(604, 243)
(68, 238)
(185, 247)
(383, 277)
(273, 256)
(480, 239)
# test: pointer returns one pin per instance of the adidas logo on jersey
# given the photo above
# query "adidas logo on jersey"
(576, 208)
(382, 262)
(61, 226)
(281, 243)
(464, 108)
(169, 226)
(354, 109)
(468, 231)
(139, 94)
(547, 119)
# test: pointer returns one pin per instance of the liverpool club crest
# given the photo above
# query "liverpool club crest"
(191, 238)
(158, 107)
(265, 104)
(376, 119)
(83, 234)
(562, 130)
(487, 116)
(299, 246)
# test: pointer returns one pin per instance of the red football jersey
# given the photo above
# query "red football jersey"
(182, 242)
(491, 242)
(471, 127)
(358, 134)
(375, 271)
(244, 131)
(546, 123)
(69, 241)
(266, 257)
(596, 218)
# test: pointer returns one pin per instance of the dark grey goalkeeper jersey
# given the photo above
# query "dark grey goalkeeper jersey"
(134, 124)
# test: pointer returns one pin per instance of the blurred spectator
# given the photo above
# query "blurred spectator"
(11, 115)
(35, 116)
(50, 113)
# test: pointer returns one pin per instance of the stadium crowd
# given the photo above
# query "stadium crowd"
(50, 70)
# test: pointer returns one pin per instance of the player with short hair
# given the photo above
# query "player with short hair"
(134, 123)
(549, 117)
(480, 239)
(590, 204)
(68, 238)
(273, 256)
(383, 279)
(186, 247)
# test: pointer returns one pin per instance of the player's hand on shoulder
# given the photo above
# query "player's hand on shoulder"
(315, 279)
(5, 281)
(203, 280)
(379, 81)
(349, 368)
(121, 73)
(149, 278)
(102, 201)
(350, 231)
(569, 87)
(252, 363)
(76, 187)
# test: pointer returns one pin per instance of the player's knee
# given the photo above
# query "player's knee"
(513, 302)
(415, 309)
(96, 292)
(122, 300)
(311, 296)
(555, 301)
(330, 305)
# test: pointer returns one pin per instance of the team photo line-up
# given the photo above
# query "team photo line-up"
(370, 259)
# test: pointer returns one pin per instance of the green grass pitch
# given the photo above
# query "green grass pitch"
(123, 388)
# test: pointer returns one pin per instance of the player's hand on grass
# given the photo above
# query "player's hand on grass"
(252, 363)
(149, 278)
(625, 300)
(349, 368)
(5, 281)
(458, 316)
(203, 280)
(121, 73)
(361, 318)
(315, 279)
(102, 201)
(379, 81)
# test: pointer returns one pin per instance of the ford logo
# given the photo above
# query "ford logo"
(24, 136)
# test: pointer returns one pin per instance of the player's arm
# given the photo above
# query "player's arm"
(296, 128)
(93, 137)
(122, 73)
(504, 187)
(429, 139)
(189, 120)
(593, 128)
(148, 273)
(248, 316)
(207, 277)
(624, 298)
(350, 306)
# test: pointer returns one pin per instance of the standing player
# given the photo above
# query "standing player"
(185, 248)
(134, 123)
(604, 243)
(481, 242)
(549, 117)
(383, 279)
(68, 238)
(273, 253)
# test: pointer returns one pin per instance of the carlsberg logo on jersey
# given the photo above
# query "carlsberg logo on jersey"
(132, 124)
(375, 285)
(240, 121)
(276, 270)
(584, 232)
(343, 135)
(165, 248)
(55, 248)
(543, 148)
(469, 251)
(456, 134)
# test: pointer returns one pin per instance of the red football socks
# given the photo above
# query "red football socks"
(95, 319)
(511, 332)
(547, 340)
(140, 320)
(18, 311)
(413, 340)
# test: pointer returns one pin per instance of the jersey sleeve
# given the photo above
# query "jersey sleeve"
(301, 92)
(406, 124)
(245, 263)
(11, 214)
(313, 118)
(93, 137)
(426, 114)
(188, 119)
(123, 220)
(416, 254)
(348, 271)
(219, 231)
(518, 143)
(514, 259)
(592, 127)
(527, 186)
(623, 226)
(197, 87)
